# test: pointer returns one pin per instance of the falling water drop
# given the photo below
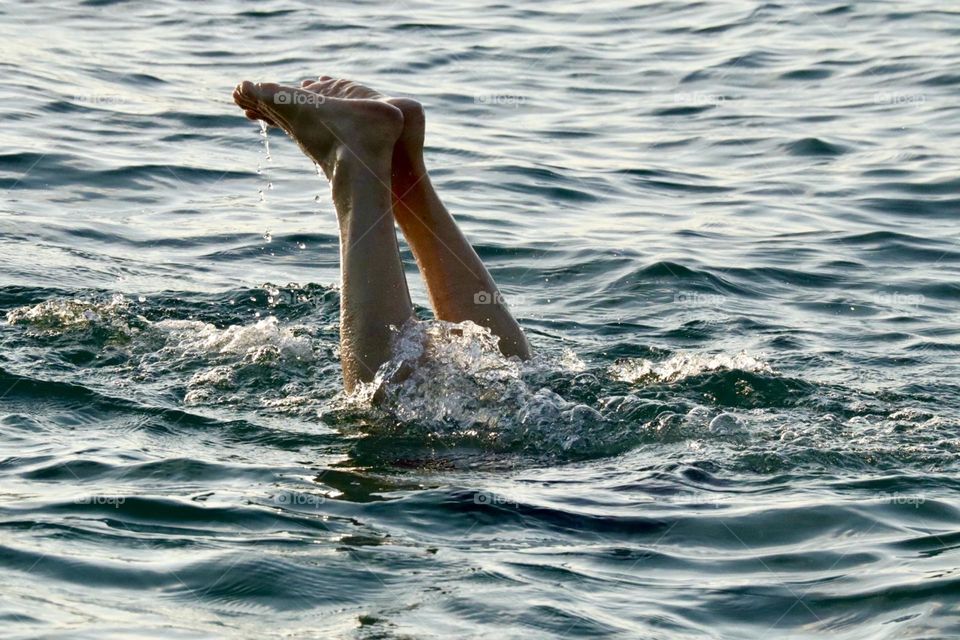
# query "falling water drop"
(266, 141)
(268, 236)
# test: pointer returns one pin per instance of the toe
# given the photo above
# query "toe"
(247, 89)
(259, 93)
(265, 92)
(244, 102)
(250, 98)
(245, 94)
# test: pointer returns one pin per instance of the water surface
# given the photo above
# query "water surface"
(729, 229)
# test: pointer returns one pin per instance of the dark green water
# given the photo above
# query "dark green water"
(730, 230)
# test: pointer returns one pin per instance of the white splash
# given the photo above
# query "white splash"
(255, 342)
(59, 315)
(681, 366)
(450, 379)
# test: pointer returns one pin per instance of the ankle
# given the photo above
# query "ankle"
(372, 136)
(408, 163)
(409, 148)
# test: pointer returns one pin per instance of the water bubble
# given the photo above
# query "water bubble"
(273, 295)
(724, 424)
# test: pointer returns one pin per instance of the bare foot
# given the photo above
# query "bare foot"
(330, 129)
(414, 120)
(407, 169)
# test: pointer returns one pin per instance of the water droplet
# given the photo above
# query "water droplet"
(316, 198)
(142, 299)
(266, 141)
(301, 245)
(269, 185)
(268, 236)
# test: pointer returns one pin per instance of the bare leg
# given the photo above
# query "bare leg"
(352, 141)
(459, 285)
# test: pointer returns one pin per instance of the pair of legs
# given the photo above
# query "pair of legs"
(371, 149)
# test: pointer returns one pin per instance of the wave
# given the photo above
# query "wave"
(814, 147)
(448, 383)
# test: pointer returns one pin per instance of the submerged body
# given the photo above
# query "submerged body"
(370, 147)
